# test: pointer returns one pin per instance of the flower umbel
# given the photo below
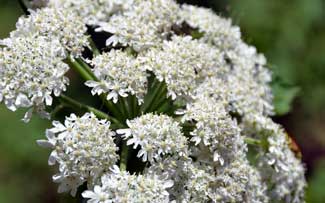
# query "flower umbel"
(156, 135)
(84, 149)
(31, 71)
(120, 186)
(173, 106)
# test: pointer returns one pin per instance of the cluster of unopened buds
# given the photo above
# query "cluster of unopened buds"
(173, 105)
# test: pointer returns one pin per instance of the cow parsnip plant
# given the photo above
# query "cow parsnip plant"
(185, 103)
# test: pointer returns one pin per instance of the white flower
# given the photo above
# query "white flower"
(55, 24)
(119, 75)
(143, 25)
(97, 196)
(245, 86)
(197, 182)
(31, 71)
(238, 182)
(68, 183)
(156, 135)
(239, 95)
(182, 63)
(92, 11)
(278, 164)
(216, 135)
(120, 186)
(83, 147)
(217, 30)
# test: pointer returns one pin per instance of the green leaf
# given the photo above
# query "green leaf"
(283, 98)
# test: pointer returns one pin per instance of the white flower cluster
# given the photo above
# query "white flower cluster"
(92, 11)
(84, 149)
(32, 65)
(145, 24)
(120, 186)
(119, 75)
(194, 182)
(156, 135)
(278, 163)
(245, 86)
(31, 70)
(239, 182)
(219, 84)
(182, 63)
(217, 30)
(216, 136)
(55, 24)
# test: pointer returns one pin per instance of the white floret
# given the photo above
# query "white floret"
(31, 72)
(55, 24)
(278, 164)
(92, 11)
(157, 135)
(217, 30)
(216, 136)
(182, 63)
(84, 149)
(145, 24)
(119, 187)
(119, 74)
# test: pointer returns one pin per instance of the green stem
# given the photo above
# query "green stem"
(135, 106)
(163, 107)
(154, 91)
(77, 105)
(113, 108)
(56, 110)
(160, 98)
(149, 95)
(130, 105)
(134, 103)
(76, 66)
(122, 108)
(124, 157)
(127, 107)
(84, 70)
(252, 141)
(93, 47)
(87, 68)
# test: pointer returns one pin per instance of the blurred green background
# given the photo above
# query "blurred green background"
(291, 33)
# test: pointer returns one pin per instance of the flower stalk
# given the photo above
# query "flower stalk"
(124, 157)
(69, 102)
